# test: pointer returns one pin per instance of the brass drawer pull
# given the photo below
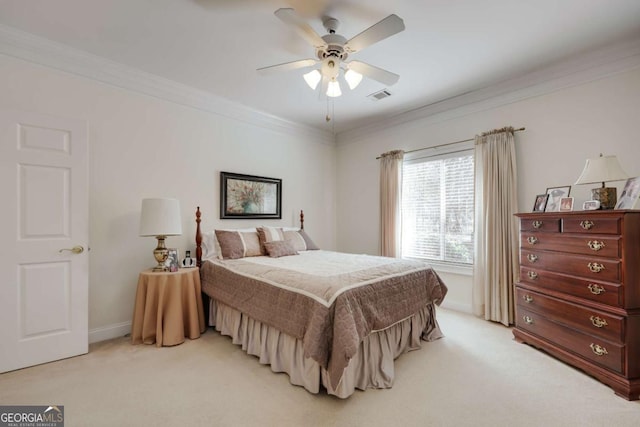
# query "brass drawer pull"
(586, 225)
(537, 224)
(595, 267)
(528, 320)
(598, 349)
(532, 240)
(598, 322)
(532, 275)
(595, 245)
(595, 289)
(527, 298)
(532, 258)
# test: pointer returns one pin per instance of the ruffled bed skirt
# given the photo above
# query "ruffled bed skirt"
(371, 367)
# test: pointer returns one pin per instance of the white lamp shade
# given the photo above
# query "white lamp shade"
(353, 78)
(333, 89)
(160, 217)
(602, 169)
(312, 78)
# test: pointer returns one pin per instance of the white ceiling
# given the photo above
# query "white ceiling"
(449, 47)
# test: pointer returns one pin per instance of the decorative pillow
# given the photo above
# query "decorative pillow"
(218, 251)
(269, 234)
(279, 248)
(238, 244)
(300, 240)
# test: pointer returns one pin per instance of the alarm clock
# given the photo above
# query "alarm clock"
(591, 205)
(188, 261)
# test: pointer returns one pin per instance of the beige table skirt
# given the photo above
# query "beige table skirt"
(168, 308)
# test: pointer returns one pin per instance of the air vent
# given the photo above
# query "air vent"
(377, 96)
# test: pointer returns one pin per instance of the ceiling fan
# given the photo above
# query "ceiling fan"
(332, 50)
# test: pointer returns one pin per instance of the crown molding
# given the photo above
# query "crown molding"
(48, 53)
(574, 71)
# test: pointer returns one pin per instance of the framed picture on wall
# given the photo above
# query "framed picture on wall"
(555, 194)
(540, 203)
(249, 196)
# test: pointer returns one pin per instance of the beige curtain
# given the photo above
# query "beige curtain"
(390, 192)
(496, 239)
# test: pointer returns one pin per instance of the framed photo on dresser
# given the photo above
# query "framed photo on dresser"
(566, 204)
(540, 203)
(555, 194)
(629, 195)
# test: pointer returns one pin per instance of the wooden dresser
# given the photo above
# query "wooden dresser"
(578, 297)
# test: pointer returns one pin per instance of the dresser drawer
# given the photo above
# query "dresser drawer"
(588, 267)
(602, 292)
(604, 246)
(592, 322)
(540, 224)
(587, 224)
(594, 349)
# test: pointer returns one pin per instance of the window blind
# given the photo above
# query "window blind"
(438, 208)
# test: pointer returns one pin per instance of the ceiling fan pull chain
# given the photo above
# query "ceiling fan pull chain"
(328, 117)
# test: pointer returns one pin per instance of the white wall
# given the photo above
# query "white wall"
(142, 146)
(563, 128)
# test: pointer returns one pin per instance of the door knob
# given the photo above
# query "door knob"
(76, 249)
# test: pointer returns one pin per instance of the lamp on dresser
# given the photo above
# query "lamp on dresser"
(600, 170)
(160, 217)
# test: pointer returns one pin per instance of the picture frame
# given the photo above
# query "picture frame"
(566, 204)
(540, 202)
(555, 194)
(630, 193)
(171, 264)
(249, 196)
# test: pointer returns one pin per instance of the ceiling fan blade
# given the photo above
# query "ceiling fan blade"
(389, 26)
(303, 63)
(288, 16)
(375, 73)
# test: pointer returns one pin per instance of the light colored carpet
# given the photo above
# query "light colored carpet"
(476, 376)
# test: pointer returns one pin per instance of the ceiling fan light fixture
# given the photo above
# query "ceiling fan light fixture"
(313, 78)
(353, 78)
(333, 89)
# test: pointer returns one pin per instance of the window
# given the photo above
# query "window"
(437, 208)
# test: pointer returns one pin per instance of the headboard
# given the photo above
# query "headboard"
(199, 234)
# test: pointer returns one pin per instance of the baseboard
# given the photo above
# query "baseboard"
(109, 332)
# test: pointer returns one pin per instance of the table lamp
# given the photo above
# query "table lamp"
(600, 170)
(160, 218)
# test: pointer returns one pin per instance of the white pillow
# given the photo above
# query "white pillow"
(209, 245)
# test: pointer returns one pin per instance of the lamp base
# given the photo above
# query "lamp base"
(607, 196)
(160, 253)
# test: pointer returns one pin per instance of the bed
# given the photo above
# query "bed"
(330, 320)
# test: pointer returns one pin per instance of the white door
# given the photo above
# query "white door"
(43, 212)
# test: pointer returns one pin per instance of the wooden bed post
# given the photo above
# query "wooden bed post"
(198, 239)
(301, 220)
(205, 297)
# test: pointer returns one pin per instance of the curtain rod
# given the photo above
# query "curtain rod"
(448, 143)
